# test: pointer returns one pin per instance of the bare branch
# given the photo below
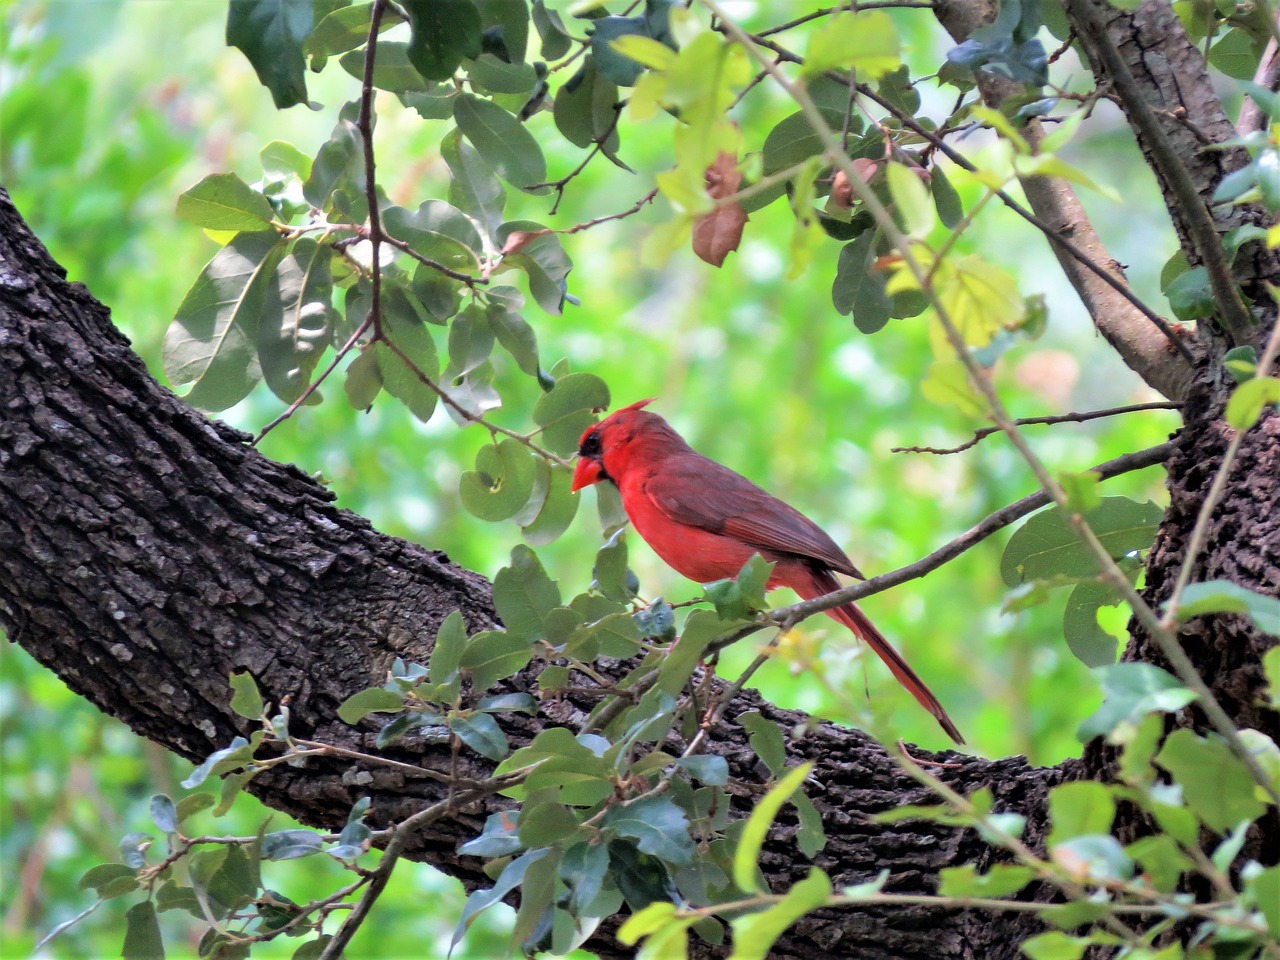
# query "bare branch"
(984, 432)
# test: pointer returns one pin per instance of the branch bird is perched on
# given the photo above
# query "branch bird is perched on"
(706, 521)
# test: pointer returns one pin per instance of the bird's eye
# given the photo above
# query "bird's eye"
(590, 445)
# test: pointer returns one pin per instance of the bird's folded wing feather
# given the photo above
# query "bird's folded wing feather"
(701, 493)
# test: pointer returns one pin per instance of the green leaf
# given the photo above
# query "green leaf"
(1271, 669)
(569, 409)
(298, 318)
(163, 813)
(1130, 692)
(270, 33)
(613, 64)
(1046, 545)
(1090, 644)
(480, 900)
(706, 768)
(192, 804)
(754, 933)
(446, 654)
(1162, 860)
(585, 108)
(1000, 880)
(502, 141)
(645, 922)
(1081, 807)
(546, 824)
(557, 508)
(142, 940)
(238, 752)
(793, 141)
(945, 199)
(481, 733)
(1247, 401)
(501, 482)
(393, 70)
(1055, 945)
(403, 382)
(470, 341)
(492, 655)
(523, 594)
(750, 843)
(213, 341)
(513, 333)
(609, 573)
(541, 256)
(1190, 295)
(363, 381)
(858, 288)
(766, 740)
(659, 827)
(1267, 166)
(911, 202)
(222, 201)
(109, 880)
(1264, 886)
(438, 231)
(865, 41)
(1216, 785)
(1223, 596)
(291, 844)
(473, 188)
(678, 665)
(246, 700)
(444, 32)
(344, 29)
(373, 700)
(335, 165)
(811, 837)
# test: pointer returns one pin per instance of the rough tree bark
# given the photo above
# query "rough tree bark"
(146, 552)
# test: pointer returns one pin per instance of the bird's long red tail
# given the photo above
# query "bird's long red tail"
(820, 584)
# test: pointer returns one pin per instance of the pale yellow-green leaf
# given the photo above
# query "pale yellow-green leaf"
(980, 298)
(1246, 403)
(1046, 165)
(645, 51)
(911, 199)
(684, 188)
(644, 922)
(1000, 123)
(947, 384)
(757, 829)
(1062, 133)
(664, 240)
(1273, 237)
(865, 41)
(646, 96)
(684, 25)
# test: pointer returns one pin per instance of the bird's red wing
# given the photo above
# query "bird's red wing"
(701, 493)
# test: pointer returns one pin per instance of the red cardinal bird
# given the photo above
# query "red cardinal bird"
(706, 521)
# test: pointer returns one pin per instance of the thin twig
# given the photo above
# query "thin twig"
(364, 123)
(314, 385)
(984, 432)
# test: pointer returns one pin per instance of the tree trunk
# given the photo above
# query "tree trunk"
(146, 552)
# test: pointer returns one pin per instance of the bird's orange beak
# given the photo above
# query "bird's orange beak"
(586, 473)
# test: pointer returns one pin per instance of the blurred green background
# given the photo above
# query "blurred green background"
(108, 110)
